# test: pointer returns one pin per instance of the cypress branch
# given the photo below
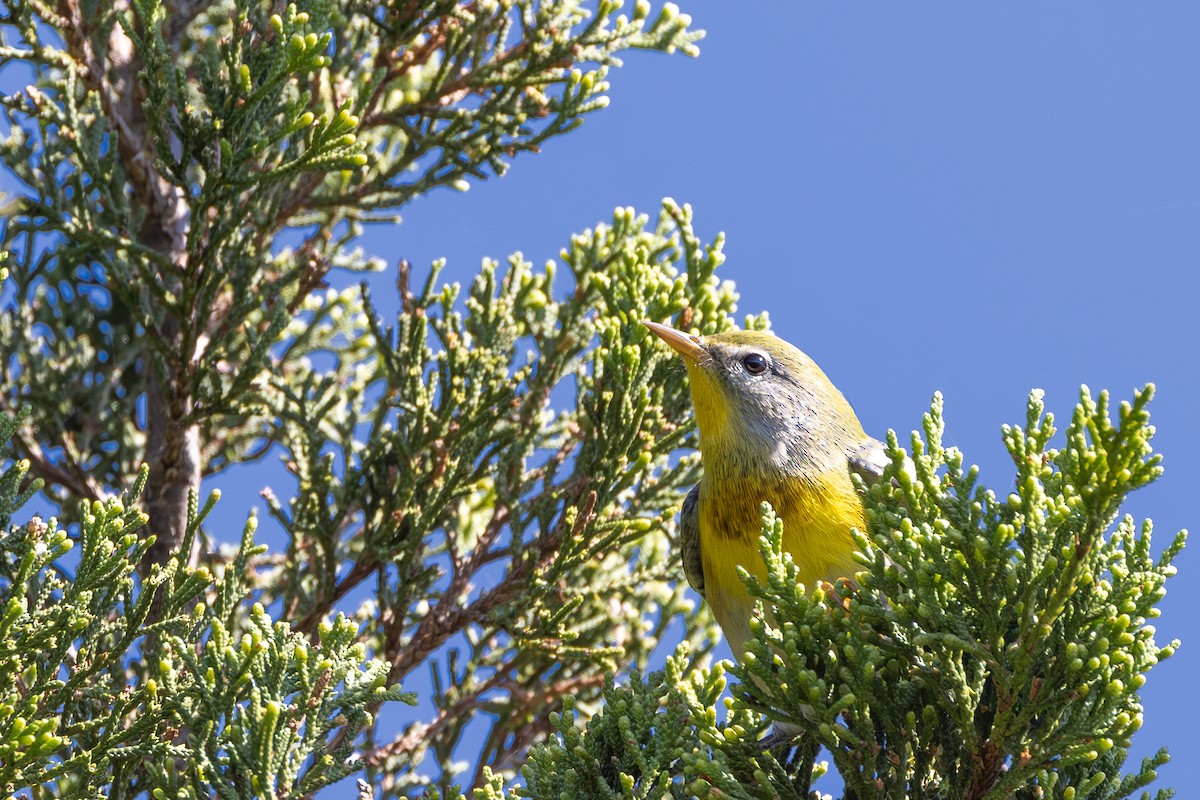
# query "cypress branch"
(495, 466)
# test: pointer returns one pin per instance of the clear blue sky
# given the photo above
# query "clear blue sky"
(976, 199)
(937, 196)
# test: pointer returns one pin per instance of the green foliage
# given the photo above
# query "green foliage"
(564, 501)
(83, 716)
(495, 467)
(994, 648)
(260, 701)
(585, 559)
(145, 256)
(12, 495)
(194, 173)
(661, 738)
(1006, 638)
(653, 716)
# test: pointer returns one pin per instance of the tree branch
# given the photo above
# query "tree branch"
(172, 445)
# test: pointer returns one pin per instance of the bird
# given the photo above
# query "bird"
(772, 427)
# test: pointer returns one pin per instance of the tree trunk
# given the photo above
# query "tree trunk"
(173, 441)
(173, 453)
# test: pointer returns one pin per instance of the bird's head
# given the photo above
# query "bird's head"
(761, 404)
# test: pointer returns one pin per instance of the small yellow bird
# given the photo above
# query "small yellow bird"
(772, 427)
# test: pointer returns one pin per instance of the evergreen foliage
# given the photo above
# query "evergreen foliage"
(994, 648)
(495, 467)
(85, 717)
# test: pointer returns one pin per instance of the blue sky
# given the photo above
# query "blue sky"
(938, 196)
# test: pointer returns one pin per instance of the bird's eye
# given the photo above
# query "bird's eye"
(755, 363)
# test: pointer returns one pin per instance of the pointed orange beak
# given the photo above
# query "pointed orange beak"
(685, 344)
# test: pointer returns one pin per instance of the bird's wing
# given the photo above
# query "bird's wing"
(689, 540)
(868, 459)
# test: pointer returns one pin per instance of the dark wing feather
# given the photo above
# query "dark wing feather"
(689, 540)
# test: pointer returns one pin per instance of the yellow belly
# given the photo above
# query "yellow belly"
(817, 515)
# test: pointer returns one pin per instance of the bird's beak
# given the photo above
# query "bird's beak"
(685, 344)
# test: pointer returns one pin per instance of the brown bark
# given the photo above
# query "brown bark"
(173, 439)
(172, 444)
(173, 453)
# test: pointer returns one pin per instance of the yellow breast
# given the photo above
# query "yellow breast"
(817, 512)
